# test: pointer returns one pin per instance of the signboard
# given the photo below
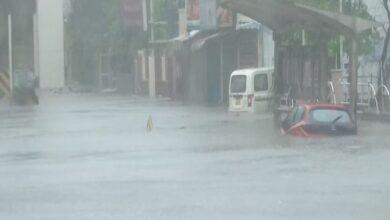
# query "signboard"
(225, 18)
(208, 15)
(133, 14)
(193, 14)
(193, 7)
(214, 17)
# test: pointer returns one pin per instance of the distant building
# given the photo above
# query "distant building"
(196, 65)
(37, 39)
(50, 43)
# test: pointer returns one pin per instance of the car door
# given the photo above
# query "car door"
(296, 116)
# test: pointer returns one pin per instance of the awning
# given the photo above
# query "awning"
(283, 16)
(202, 42)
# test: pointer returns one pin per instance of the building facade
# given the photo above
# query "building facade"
(196, 65)
(49, 43)
(32, 39)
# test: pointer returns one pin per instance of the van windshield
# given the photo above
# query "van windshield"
(238, 84)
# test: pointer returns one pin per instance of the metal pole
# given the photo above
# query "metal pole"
(36, 46)
(152, 21)
(10, 55)
(278, 90)
(380, 86)
(239, 54)
(354, 79)
(152, 73)
(145, 15)
(323, 68)
(222, 77)
(260, 46)
(341, 44)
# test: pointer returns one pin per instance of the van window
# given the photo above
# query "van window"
(238, 84)
(261, 83)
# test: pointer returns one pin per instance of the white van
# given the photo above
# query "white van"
(250, 90)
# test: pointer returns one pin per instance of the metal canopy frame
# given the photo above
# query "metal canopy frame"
(283, 16)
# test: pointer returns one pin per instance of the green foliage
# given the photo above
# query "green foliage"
(165, 11)
(366, 40)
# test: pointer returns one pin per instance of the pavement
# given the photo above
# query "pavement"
(91, 157)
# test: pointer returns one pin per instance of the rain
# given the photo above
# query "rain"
(194, 109)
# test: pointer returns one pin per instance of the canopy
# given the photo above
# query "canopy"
(283, 16)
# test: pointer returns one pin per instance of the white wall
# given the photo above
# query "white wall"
(50, 43)
(268, 47)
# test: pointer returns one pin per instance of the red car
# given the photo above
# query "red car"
(317, 120)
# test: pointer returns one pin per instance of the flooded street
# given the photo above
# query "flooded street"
(91, 157)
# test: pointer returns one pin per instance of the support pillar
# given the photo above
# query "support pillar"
(36, 46)
(152, 74)
(222, 76)
(278, 88)
(10, 55)
(323, 69)
(354, 77)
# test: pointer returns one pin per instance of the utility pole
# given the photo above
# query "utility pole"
(150, 53)
(341, 43)
(36, 45)
(10, 54)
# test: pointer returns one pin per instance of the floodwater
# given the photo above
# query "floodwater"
(91, 157)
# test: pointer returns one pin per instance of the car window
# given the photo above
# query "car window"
(295, 115)
(300, 114)
(238, 84)
(291, 116)
(330, 116)
(261, 82)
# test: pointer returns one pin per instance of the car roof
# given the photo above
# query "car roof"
(311, 106)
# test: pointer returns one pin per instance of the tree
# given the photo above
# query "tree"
(366, 41)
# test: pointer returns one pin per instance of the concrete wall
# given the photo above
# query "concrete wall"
(50, 41)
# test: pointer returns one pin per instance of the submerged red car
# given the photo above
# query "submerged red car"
(316, 120)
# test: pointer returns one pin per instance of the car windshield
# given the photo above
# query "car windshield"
(238, 84)
(330, 116)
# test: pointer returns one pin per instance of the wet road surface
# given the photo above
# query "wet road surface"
(90, 157)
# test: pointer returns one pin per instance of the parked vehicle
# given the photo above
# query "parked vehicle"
(250, 90)
(317, 120)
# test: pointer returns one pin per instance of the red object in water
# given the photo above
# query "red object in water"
(313, 120)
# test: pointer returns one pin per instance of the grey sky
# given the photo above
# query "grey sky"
(376, 9)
